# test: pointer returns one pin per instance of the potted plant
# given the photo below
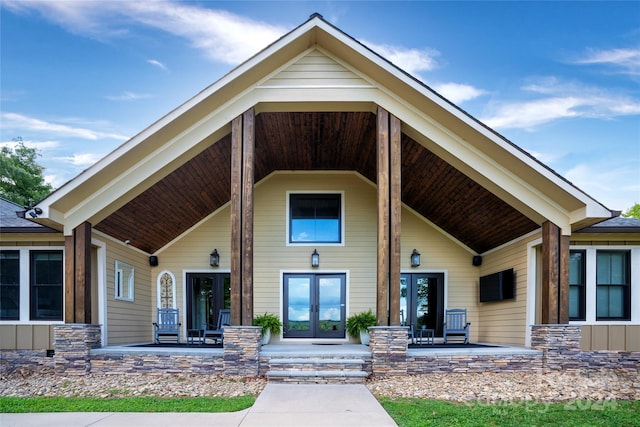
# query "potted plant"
(358, 324)
(270, 323)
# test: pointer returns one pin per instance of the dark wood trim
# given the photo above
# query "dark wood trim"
(563, 284)
(236, 221)
(382, 281)
(395, 190)
(248, 150)
(69, 280)
(550, 262)
(82, 236)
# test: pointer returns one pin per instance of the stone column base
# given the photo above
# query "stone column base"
(242, 350)
(388, 350)
(560, 345)
(73, 343)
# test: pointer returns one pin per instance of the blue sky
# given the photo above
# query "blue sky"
(559, 79)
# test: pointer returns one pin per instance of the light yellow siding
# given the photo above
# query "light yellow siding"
(128, 321)
(315, 69)
(356, 257)
(504, 322)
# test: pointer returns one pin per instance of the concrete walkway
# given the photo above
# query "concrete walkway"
(283, 405)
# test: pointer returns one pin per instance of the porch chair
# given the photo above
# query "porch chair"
(410, 333)
(455, 324)
(217, 334)
(168, 324)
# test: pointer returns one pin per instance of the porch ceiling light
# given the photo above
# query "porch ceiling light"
(415, 258)
(315, 259)
(214, 258)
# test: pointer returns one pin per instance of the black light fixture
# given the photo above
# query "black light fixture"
(315, 259)
(214, 258)
(415, 258)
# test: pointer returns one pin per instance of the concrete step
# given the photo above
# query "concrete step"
(317, 370)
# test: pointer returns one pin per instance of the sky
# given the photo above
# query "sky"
(559, 79)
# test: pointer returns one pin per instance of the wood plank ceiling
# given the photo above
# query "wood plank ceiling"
(317, 141)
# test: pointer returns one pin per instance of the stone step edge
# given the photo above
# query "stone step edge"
(315, 361)
(305, 374)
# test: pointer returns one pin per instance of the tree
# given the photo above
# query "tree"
(21, 179)
(633, 212)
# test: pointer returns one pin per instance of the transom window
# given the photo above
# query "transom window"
(315, 218)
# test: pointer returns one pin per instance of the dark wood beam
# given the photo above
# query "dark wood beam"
(248, 150)
(563, 281)
(236, 221)
(69, 279)
(82, 236)
(382, 281)
(395, 207)
(550, 273)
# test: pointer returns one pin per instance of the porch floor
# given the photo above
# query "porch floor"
(307, 350)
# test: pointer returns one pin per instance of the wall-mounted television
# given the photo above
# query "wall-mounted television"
(497, 286)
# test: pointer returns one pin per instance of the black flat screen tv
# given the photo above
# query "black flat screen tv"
(497, 286)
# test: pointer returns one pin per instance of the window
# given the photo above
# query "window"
(46, 285)
(9, 285)
(613, 301)
(577, 283)
(315, 218)
(124, 281)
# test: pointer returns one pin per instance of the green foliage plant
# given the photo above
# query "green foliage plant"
(268, 321)
(360, 322)
(21, 179)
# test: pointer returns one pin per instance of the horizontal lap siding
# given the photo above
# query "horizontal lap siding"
(504, 322)
(316, 69)
(439, 253)
(128, 322)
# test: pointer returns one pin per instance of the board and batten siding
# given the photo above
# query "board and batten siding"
(505, 322)
(620, 336)
(128, 321)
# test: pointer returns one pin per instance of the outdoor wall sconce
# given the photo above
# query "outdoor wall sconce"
(315, 259)
(415, 258)
(214, 258)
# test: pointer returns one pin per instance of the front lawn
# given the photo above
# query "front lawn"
(420, 412)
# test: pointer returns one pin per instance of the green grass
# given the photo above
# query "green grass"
(419, 413)
(127, 404)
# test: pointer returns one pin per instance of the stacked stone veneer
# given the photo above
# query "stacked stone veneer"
(157, 363)
(388, 350)
(463, 363)
(73, 343)
(560, 345)
(242, 350)
(24, 360)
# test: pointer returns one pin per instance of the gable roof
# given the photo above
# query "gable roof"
(306, 88)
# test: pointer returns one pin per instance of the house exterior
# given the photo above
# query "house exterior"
(319, 146)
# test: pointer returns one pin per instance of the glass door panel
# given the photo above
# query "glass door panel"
(422, 301)
(297, 296)
(330, 307)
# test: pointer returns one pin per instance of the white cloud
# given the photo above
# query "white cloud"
(29, 124)
(411, 60)
(222, 36)
(458, 92)
(81, 159)
(156, 63)
(627, 60)
(615, 185)
(560, 100)
(128, 96)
